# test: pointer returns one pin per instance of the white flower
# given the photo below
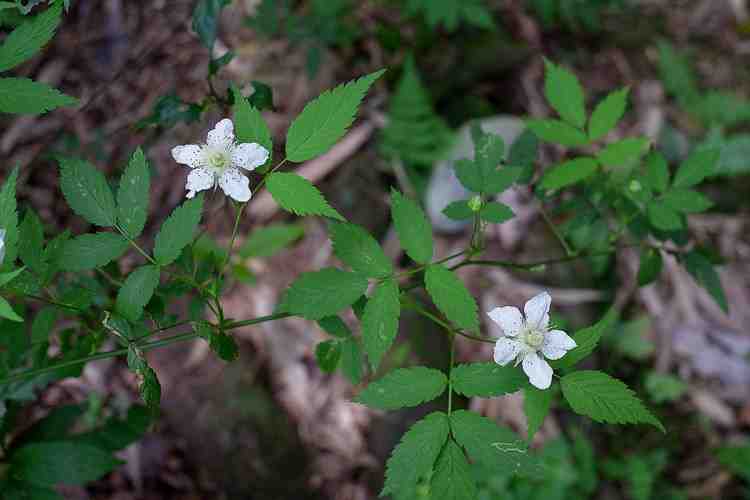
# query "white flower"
(525, 338)
(2, 246)
(219, 162)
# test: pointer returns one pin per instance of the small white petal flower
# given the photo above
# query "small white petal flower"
(217, 163)
(2, 246)
(525, 340)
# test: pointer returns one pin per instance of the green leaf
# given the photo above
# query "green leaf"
(569, 172)
(7, 312)
(736, 458)
(524, 150)
(150, 388)
(557, 132)
(43, 323)
(90, 251)
(487, 380)
(351, 360)
(586, 340)
(9, 218)
(650, 266)
(686, 201)
(403, 388)
(536, 406)
(451, 296)
(496, 212)
(60, 462)
(452, 478)
(31, 242)
(413, 228)
(607, 114)
(87, 192)
(249, 125)
(359, 250)
(325, 120)
(6, 278)
(696, 167)
(22, 96)
(297, 195)
(458, 210)
(133, 195)
(622, 152)
(29, 38)
(327, 354)
(222, 344)
(663, 217)
(489, 444)
(178, 231)
(565, 94)
(485, 177)
(380, 321)
(267, 241)
(315, 295)
(335, 327)
(206, 20)
(605, 399)
(702, 269)
(137, 291)
(657, 172)
(664, 387)
(413, 458)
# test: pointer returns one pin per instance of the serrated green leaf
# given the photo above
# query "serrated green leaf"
(413, 458)
(413, 228)
(607, 114)
(489, 444)
(87, 192)
(524, 150)
(586, 340)
(359, 250)
(565, 94)
(137, 291)
(178, 231)
(403, 388)
(249, 125)
(297, 195)
(451, 296)
(657, 172)
(206, 20)
(22, 96)
(605, 399)
(328, 354)
(650, 266)
(452, 478)
(536, 406)
(31, 242)
(315, 295)
(487, 380)
(9, 219)
(695, 168)
(663, 217)
(380, 321)
(557, 132)
(686, 201)
(496, 212)
(325, 119)
(267, 241)
(706, 276)
(7, 312)
(29, 38)
(43, 323)
(90, 251)
(622, 152)
(351, 360)
(458, 210)
(133, 195)
(569, 172)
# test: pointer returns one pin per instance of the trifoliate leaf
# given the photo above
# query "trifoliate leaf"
(358, 249)
(133, 195)
(657, 172)
(29, 38)
(380, 321)
(452, 478)
(536, 406)
(315, 295)
(622, 152)
(325, 120)
(137, 291)
(178, 231)
(605, 399)
(695, 168)
(706, 276)
(607, 113)
(413, 228)
(87, 192)
(22, 96)
(90, 251)
(487, 380)
(586, 340)
(557, 132)
(451, 296)
(650, 266)
(565, 94)
(496, 212)
(249, 125)
(404, 387)
(686, 201)
(296, 194)
(569, 172)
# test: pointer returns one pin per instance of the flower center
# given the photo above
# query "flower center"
(534, 339)
(218, 160)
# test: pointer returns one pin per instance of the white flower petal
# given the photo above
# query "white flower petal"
(537, 310)
(222, 135)
(235, 185)
(249, 156)
(199, 179)
(190, 155)
(538, 371)
(508, 318)
(506, 350)
(556, 344)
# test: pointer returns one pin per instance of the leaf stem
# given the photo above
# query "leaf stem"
(410, 304)
(568, 251)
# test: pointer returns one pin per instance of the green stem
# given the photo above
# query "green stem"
(235, 230)
(450, 372)
(410, 304)
(568, 251)
(423, 266)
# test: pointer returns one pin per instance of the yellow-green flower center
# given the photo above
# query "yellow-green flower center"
(217, 160)
(534, 338)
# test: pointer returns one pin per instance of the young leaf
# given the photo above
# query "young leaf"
(296, 194)
(22, 96)
(249, 125)
(695, 168)
(586, 341)
(9, 218)
(137, 291)
(267, 241)
(328, 354)
(663, 217)
(650, 266)
(489, 444)
(452, 478)
(569, 172)
(315, 295)
(31, 242)
(686, 201)
(90, 251)
(607, 113)
(380, 321)
(178, 231)
(133, 195)
(657, 172)
(358, 249)
(557, 132)
(7, 312)
(621, 152)
(87, 192)
(404, 387)
(413, 228)
(496, 212)
(605, 399)
(487, 380)
(706, 276)
(565, 94)
(325, 120)
(29, 38)
(451, 296)
(536, 405)
(458, 210)
(413, 458)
